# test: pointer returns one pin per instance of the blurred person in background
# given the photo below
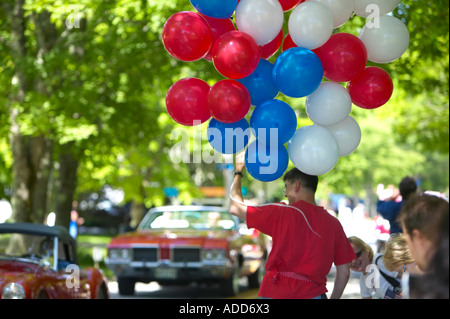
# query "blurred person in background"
(382, 232)
(373, 285)
(425, 222)
(398, 258)
(390, 207)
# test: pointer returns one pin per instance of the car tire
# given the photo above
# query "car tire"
(126, 286)
(102, 292)
(229, 287)
(43, 295)
(255, 279)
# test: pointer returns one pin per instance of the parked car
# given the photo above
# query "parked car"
(184, 244)
(40, 262)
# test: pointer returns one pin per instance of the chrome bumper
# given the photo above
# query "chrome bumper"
(167, 270)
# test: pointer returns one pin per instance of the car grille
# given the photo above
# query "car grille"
(186, 254)
(145, 254)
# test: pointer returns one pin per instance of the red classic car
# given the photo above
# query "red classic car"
(40, 262)
(183, 244)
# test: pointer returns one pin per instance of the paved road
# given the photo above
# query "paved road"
(153, 290)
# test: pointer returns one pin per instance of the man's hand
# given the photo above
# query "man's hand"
(240, 162)
(389, 194)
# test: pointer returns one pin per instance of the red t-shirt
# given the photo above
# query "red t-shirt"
(299, 261)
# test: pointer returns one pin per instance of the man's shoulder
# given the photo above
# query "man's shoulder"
(316, 212)
(388, 203)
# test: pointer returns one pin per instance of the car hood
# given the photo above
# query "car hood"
(17, 271)
(193, 237)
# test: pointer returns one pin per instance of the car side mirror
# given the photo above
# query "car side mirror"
(45, 263)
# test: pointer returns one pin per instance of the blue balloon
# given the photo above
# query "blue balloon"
(228, 138)
(266, 162)
(274, 117)
(298, 72)
(222, 9)
(260, 83)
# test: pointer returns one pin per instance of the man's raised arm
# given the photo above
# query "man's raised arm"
(236, 208)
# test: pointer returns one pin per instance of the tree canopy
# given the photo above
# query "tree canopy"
(82, 88)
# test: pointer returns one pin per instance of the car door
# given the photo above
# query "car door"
(71, 281)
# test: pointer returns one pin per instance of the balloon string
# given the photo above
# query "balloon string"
(274, 204)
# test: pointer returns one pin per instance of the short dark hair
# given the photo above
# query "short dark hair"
(407, 187)
(425, 213)
(308, 181)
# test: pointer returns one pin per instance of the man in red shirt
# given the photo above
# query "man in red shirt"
(307, 240)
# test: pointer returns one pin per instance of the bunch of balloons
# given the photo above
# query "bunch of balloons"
(330, 70)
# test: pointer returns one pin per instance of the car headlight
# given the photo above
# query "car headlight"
(119, 254)
(13, 291)
(214, 254)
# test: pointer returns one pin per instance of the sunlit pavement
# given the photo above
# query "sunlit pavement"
(154, 290)
(352, 290)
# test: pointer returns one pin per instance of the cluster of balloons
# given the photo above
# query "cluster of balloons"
(330, 70)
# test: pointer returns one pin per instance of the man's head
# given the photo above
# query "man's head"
(407, 187)
(300, 186)
(424, 220)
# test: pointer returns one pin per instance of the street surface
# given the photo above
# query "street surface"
(153, 290)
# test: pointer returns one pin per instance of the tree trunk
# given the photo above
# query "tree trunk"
(32, 156)
(136, 213)
(369, 200)
(66, 183)
(41, 161)
(65, 187)
(41, 147)
(21, 193)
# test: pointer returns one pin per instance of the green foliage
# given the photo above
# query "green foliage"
(102, 86)
(85, 244)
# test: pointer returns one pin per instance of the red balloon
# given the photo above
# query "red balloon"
(269, 49)
(187, 101)
(218, 27)
(187, 36)
(343, 57)
(236, 55)
(289, 4)
(229, 101)
(288, 43)
(371, 88)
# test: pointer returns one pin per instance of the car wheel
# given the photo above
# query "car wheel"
(102, 292)
(43, 295)
(255, 279)
(126, 286)
(230, 286)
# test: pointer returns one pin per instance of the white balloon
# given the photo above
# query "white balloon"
(385, 42)
(311, 25)
(373, 8)
(347, 134)
(329, 104)
(262, 19)
(341, 9)
(313, 150)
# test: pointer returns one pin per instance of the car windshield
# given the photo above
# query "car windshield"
(26, 246)
(189, 220)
